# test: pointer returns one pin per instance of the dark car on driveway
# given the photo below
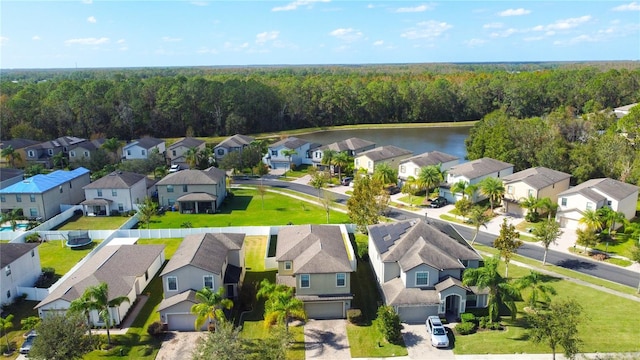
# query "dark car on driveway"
(26, 346)
(346, 181)
(438, 202)
(392, 190)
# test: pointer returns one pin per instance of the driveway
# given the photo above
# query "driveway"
(419, 347)
(326, 339)
(179, 345)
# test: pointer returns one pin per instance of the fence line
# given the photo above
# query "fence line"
(34, 294)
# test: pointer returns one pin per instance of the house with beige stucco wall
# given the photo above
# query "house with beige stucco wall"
(391, 155)
(539, 182)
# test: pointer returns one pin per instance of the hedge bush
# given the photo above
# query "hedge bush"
(465, 328)
(156, 328)
(354, 316)
(467, 317)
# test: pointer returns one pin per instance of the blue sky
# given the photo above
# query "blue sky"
(66, 34)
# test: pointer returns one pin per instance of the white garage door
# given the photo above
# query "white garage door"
(180, 322)
(416, 314)
(324, 310)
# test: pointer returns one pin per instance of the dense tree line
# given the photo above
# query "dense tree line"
(128, 103)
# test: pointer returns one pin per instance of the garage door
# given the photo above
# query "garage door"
(180, 322)
(416, 314)
(324, 310)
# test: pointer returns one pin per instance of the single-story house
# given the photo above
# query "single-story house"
(19, 266)
(193, 191)
(411, 166)
(389, 154)
(236, 142)
(472, 173)
(177, 151)
(539, 182)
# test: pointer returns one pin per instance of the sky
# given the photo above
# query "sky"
(94, 33)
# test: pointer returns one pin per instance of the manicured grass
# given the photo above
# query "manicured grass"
(621, 244)
(364, 341)
(93, 223)
(171, 245)
(254, 250)
(414, 200)
(20, 310)
(256, 330)
(245, 209)
(54, 254)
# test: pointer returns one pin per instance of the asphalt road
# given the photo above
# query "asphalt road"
(568, 261)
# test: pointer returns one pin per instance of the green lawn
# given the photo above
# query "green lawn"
(245, 209)
(20, 310)
(171, 245)
(54, 254)
(93, 223)
(414, 200)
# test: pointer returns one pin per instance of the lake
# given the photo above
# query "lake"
(448, 140)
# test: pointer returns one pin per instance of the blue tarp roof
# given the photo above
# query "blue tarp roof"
(40, 183)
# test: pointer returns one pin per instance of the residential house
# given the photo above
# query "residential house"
(193, 191)
(10, 176)
(83, 151)
(177, 151)
(40, 196)
(419, 267)
(388, 154)
(539, 182)
(43, 153)
(117, 192)
(317, 260)
(236, 142)
(592, 195)
(19, 145)
(411, 166)
(352, 146)
(276, 157)
(472, 173)
(140, 149)
(202, 260)
(126, 269)
(19, 267)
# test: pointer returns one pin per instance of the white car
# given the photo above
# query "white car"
(174, 168)
(438, 332)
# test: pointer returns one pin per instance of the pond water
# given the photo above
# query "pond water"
(448, 140)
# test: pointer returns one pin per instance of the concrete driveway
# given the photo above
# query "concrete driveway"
(326, 339)
(419, 347)
(179, 345)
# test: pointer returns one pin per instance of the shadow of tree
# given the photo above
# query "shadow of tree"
(574, 264)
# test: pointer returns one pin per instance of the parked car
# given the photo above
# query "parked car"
(346, 181)
(438, 202)
(438, 332)
(392, 190)
(27, 344)
(174, 168)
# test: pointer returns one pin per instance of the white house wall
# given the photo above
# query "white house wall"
(411, 169)
(25, 270)
(626, 205)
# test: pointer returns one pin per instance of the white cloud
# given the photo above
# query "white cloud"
(296, 4)
(514, 12)
(475, 42)
(564, 24)
(87, 41)
(348, 35)
(170, 39)
(426, 30)
(236, 47)
(505, 33)
(576, 40)
(92, 19)
(533, 38)
(88, 2)
(3, 40)
(634, 6)
(35, 38)
(419, 8)
(495, 25)
(200, 3)
(378, 43)
(263, 37)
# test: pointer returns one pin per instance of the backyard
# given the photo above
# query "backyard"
(79, 222)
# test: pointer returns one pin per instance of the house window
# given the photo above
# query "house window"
(18, 198)
(563, 201)
(8, 294)
(220, 152)
(173, 152)
(33, 212)
(32, 197)
(422, 278)
(120, 207)
(589, 205)
(472, 300)
(114, 192)
(86, 154)
(609, 203)
(170, 202)
(287, 265)
(369, 164)
(50, 151)
(3, 198)
(33, 253)
(357, 162)
(99, 192)
(32, 153)
(185, 188)
(530, 192)
(341, 279)
(60, 188)
(72, 153)
(64, 148)
(169, 188)
(403, 169)
(305, 281)
(208, 281)
(128, 152)
(509, 189)
(7, 270)
(274, 152)
(143, 152)
(172, 283)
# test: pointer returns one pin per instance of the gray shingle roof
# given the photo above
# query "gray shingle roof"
(313, 249)
(385, 152)
(236, 140)
(116, 180)
(353, 144)
(8, 173)
(537, 177)
(146, 142)
(480, 167)
(616, 190)
(187, 142)
(10, 252)
(290, 143)
(194, 177)
(205, 251)
(18, 143)
(430, 158)
(396, 294)
(188, 295)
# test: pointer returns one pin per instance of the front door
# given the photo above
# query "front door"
(452, 305)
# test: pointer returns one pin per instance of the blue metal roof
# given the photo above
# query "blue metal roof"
(41, 183)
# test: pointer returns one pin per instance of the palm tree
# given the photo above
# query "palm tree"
(11, 155)
(6, 324)
(281, 304)
(549, 206)
(493, 189)
(478, 218)
(12, 218)
(610, 219)
(327, 159)
(531, 203)
(500, 291)
(547, 233)
(471, 191)
(112, 145)
(191, 157)
(60, 160)
(210, 306)
(289, 154)
(83, 305)
(539, 290)
(385, 174)
(592, 220)
(341, 160)
(430, 177)
(459, 187)
(100, 301)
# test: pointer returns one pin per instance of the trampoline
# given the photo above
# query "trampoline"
(78, 239)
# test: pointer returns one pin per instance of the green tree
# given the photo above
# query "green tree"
(592, 220)
(191, 157)
(342, 160)
(223, 344)
(384, 174)
(409, 187)
(60, 336)
(12, 218)
(558, 327)
(84, 305)
(281, 305)
(60, 160)
(429, 177)
(30, 323)
(364, 206)
(289, 153)
(326, 201)
(11, 155)
(463, 207)
(501, 293)
(531, 203)
(102, 303)
(507, 243)
(539, 290)
(610, 219)
(493, 189)
(112, 145)
(210, 307)
(548, 206)
(459, 187)
(318, 181)
(6, 324)
(262, 190)
(547, 233)
(587, 238)
(328, 157)
(388, 324)
(147, 210)
(478, 217)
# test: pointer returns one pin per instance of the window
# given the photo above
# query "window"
(128, 152)
(170, 202)
(274, 152)
(86, 154)
(530, 192)
(422, 278)
(472, 300)
(143, 152)
(60, 188)
(33, 212)
(3, 198)
(146, 275)
(64, 148)
(50, 151)
(609, 203)
(32, 153)
(341, 279)
(220, 151)
(173, 152)
(589, 205)
(305, 281)
(185, 188)
(120, 207)
(8, 294)
(18, 198)
(114, 192)
(72, 153)
(287, 265)
(357, 162)
(369, 164)
(169, 188)
(32, 197)
(172, 283)
(99, 192)
(7, 270)
(509, 189)
(563, 201)
(208, 281)
(403, 169)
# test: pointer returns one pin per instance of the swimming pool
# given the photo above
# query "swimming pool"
(20, 227)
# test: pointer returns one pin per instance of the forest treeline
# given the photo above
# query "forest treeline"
(127, 104)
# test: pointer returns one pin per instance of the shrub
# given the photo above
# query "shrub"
(599, 257)
(483, 321)
(156, 328)
(363, 251)
(32, 238)
(388, 323)
(354, 316)
(145, 350)
(494, 326)
(115, 212)
(465, 328)
(467, 317)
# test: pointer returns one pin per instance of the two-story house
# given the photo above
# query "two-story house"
(539, 182)
(592, 195)
(202, 260)
(10, 176)
(19, 266)
(117, 192)
(141, 148)
(419, 267)
(40, 196)
(43, 153)
(317, 260)
(352, 146)
(411, 166)
(19, 159)
(83, 151)
(389, 154)
(177, 151)
(277, 158)
(236, 142)
(193, 191)
(472, 173)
